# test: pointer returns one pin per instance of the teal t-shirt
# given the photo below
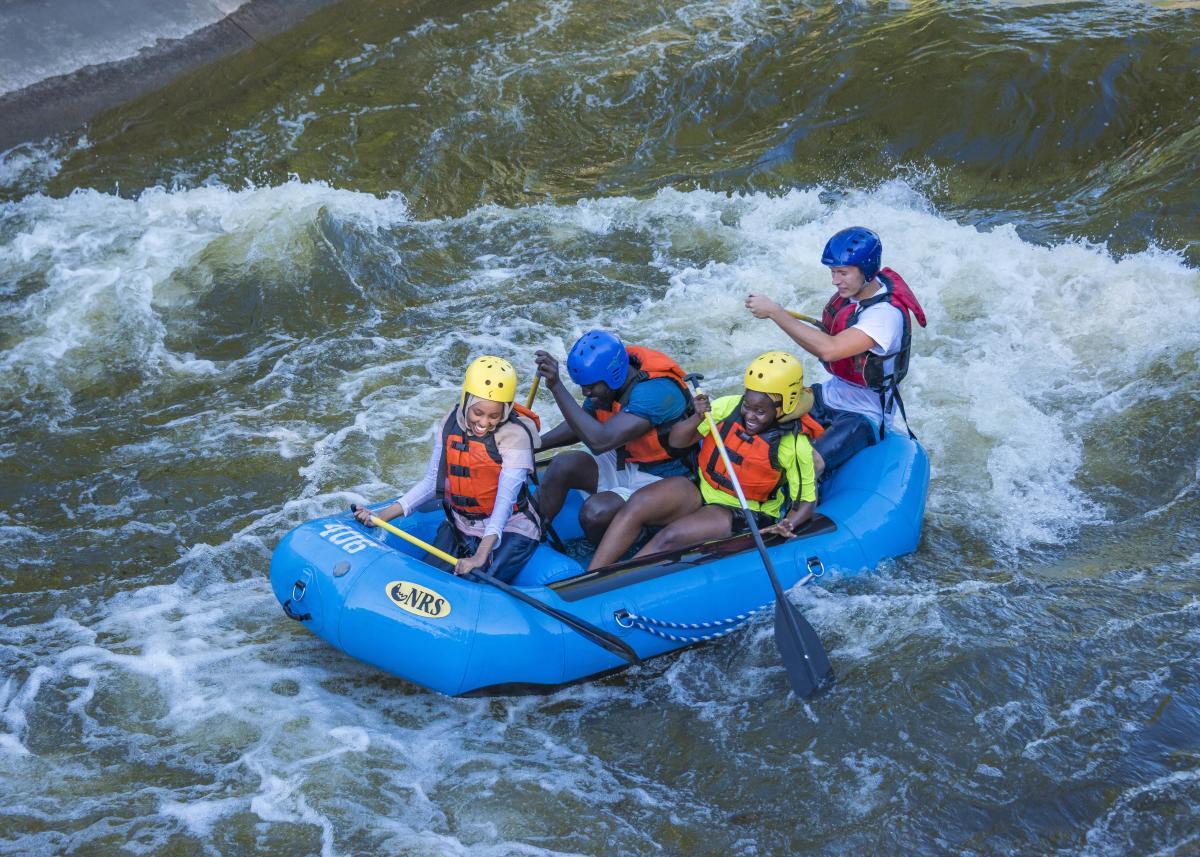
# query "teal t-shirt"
(658, 401)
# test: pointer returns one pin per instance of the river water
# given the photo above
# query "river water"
(237, 304)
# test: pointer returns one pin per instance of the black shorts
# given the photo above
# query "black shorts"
(738, 523)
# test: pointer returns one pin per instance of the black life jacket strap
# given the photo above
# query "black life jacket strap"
(900, 403)
(440, 487)
(890, 390)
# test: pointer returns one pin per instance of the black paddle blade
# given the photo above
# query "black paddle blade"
(800, 648)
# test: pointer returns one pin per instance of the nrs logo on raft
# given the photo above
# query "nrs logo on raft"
(416, 599)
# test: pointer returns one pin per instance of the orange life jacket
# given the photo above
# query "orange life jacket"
(651, 447)
(810, 428)
(754, 457)
(471, 467)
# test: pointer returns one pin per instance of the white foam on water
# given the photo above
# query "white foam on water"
(192, 670)
(1115, 832)
(28, 165)
(199, 817)
(1006, 380)
(1003, 388)
(867, 776)
(108, 262)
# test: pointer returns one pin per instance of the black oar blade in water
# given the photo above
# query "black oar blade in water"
(800, 649)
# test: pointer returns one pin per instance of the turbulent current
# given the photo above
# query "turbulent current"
(238, 304)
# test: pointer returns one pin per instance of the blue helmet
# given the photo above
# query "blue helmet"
(598, 356)
(857, 246)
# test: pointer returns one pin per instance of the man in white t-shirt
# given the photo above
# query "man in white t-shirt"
(864, 342)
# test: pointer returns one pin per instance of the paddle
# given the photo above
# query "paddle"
(597, 635)
(537, 381)
(813, 321)
(799, 646)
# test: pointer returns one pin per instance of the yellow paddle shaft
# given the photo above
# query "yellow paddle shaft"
(425, 546)
(804, 317)
(537, 380)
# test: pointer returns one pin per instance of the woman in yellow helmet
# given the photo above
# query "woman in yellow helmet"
(482, 459)
(766, 431)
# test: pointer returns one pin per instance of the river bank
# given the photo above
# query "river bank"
(63, 62)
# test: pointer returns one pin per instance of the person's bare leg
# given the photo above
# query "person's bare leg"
(704, 525)
(654, 505)
(568, 470)
(598, 512)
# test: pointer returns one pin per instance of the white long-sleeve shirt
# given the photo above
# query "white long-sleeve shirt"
(517, 455)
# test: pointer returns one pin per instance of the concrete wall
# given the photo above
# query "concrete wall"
(63, 61)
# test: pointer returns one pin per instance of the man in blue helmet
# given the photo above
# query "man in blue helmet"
(633, 395)
(864, 342)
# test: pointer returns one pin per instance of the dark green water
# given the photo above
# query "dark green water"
(238, 304)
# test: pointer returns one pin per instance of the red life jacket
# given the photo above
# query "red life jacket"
(867, 369)
(652, 446)
(470, 470)
(754, 457)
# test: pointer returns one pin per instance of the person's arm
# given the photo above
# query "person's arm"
(685, 432)
(849, 343)
(800, 514)
(600, 437)
(560, 435)
(511, 480)
(597, 436)
(802, 484)
(415, 496)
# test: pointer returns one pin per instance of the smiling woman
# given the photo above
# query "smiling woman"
(482, 463)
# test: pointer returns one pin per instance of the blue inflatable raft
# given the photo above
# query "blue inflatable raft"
(370, 594)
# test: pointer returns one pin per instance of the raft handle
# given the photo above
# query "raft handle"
(815, 567)
(297, 595)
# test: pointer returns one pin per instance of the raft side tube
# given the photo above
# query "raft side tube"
(413, 621)
(879, 497)
(314, 567)
(445, 632)
(519, 645)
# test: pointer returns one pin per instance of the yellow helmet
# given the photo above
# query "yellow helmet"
(491, 378)
(780, 373)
